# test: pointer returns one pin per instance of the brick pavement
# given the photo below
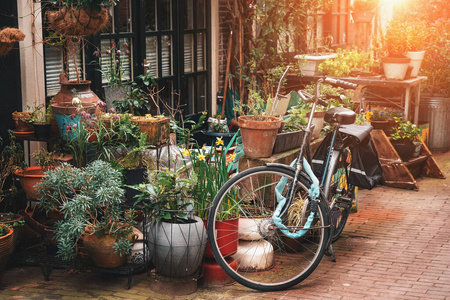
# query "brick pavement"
(397, 246)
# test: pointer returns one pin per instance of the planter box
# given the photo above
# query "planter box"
(288, 140)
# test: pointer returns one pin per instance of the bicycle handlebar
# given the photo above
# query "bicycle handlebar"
(341, 83)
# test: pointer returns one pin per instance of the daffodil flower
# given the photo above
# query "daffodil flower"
(233, 156)
(185, 152)
(201, 157)
(219, 141)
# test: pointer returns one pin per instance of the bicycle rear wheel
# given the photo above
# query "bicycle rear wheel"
(340, 193)
(265, 258)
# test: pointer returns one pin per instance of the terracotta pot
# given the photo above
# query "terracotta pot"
(6, 243)
(83, 91)
(214, 275)
(10, 219)
(100, 249)
(28, 179)
(227, 237)
(21, 126)
(258, 137)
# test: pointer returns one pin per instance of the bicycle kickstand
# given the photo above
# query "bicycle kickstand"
(329, 251)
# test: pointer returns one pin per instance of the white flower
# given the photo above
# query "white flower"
(76, 101)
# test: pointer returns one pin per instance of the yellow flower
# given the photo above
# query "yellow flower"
(201, 157)
(219, 141)
(233, 156)
(368, 115)
(185, 152)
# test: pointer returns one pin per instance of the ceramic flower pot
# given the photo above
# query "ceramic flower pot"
(6, 243)
(227, 237)
(416, 61)
(63, 114)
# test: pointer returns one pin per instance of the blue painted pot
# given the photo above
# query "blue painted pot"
(63, 112)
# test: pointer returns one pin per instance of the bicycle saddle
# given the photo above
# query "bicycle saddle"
(340, 115)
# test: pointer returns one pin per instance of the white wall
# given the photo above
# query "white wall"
(31, 57)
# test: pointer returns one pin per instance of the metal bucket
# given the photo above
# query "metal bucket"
(436, 111)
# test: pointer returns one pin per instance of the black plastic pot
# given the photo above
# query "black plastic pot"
(42, 131)
(405, 151)
(132, 177)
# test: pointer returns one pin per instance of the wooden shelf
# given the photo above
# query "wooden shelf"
(397, 173)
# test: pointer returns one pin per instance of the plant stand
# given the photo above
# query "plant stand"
(400, 174)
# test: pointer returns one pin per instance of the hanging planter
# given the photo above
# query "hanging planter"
(363, 16)
(78, 20)
(8, 36)
(157, 128)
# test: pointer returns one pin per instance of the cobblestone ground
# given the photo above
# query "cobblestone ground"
(397, 246)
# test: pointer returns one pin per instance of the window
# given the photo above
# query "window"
(335, 25)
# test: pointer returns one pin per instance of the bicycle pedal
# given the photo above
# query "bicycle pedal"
(345, 202)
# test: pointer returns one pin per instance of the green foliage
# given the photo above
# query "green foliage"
(346, 61)
(295, 118)
(44, 159)
(115, 57)
(256, 105)
(364, 5)
(437, 58)
(138, 101)
(10, 158)
(90, 199)
(405, 130)
(42, 114)
(168, 195)
(184, 130)
(136, 157)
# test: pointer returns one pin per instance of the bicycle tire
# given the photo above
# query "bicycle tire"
(280, 262)
(339, 192)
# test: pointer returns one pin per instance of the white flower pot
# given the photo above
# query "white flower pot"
(254, 255)
(416, 61)
(312, 63)
(395, 67)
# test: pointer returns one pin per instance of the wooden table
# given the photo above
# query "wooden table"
(411, 87)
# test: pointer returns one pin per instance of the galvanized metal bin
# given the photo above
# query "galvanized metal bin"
(436, 111)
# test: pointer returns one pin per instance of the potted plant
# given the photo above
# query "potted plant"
(112, 59)
(405, 138)
(41, 119)
(378, 119)
(90, 200)
(258, 130)
(23, 122)
(395, 45)
(363, 10)
(135, 162)
(177, 238)
(15, 221)
(291, 135)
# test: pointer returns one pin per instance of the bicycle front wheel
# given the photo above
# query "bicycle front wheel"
(340, 193)
(263, 257)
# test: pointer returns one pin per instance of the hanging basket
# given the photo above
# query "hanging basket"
(77, 21)
(8, 36)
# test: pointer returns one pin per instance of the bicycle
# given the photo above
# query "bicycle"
(290, 222)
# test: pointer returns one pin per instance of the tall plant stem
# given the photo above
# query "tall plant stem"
(74, 58)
